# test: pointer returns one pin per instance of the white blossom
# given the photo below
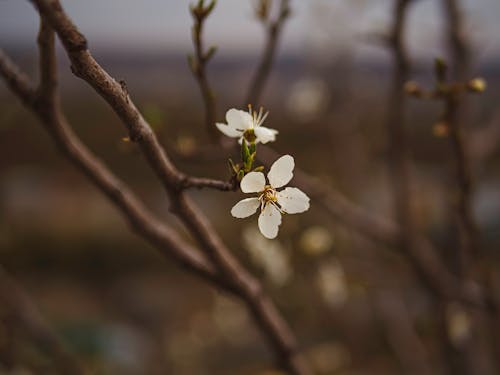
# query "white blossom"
(248, 125)
(272, 203)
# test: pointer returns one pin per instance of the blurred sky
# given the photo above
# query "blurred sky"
(163, 25)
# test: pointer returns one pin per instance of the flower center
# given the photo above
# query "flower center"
(268, 195)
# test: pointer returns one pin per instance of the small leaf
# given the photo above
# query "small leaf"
(210, 7)
(211, 51)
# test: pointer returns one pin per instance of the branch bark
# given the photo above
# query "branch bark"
(230, 274)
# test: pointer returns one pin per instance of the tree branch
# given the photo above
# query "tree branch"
(140, 220)
(241, 282)
(273, 30)
(199, 62)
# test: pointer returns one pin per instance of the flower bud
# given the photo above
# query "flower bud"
(476, 85)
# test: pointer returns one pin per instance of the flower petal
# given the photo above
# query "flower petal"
(229, 131)
(293, 200)
(264, 134)
(281, 171)
(253, 182)
(238, 119)
(245, 208)
(269, 221)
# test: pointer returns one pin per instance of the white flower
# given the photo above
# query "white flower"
(272, 202)
(241, 124)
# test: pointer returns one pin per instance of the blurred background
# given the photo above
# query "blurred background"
(122, 308)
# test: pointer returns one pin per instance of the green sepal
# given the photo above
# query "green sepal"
(240, 175)
(252, 147)
(245, 152)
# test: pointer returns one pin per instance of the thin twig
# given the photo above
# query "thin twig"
(459, 46)
(467, 225)
(198, 64)
(273, 30)
(200, 183)
(398, 138)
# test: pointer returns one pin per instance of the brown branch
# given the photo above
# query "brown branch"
(467, 225)
(484, 142)
(17, 81)
(199, 62)
(273, 30)
(455, 109)
(200, 182)
(398, 138)
(459, 45)
(241, 282)
(400, 334)
(16, 309)
(140, 220)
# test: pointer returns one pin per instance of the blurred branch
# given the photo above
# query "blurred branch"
(400, 334)
(273, 29)
(17, 310)
(229, 273)
(468, 228)
(198, 63)
(399, 160)
(484, 142)
(455, 109)
(459, 45)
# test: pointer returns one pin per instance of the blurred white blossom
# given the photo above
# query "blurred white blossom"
(329, 357)
(332, 283)
(458, 324)
(232, 320)
(308, 98)
(316, 240)
(271, 256)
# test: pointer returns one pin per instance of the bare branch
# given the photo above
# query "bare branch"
(273, 30)
(468, 228)
(141, 221)
(17, 81)
(200, 182)
(398, 155)
(199, 62)
(241, 282)
(459, 45)
(47, 89)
